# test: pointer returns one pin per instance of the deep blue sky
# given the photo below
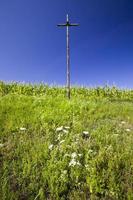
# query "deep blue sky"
(33, 48)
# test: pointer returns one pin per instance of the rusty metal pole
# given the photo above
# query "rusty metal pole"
(67, 25)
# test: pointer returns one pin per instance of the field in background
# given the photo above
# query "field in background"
(58, 149)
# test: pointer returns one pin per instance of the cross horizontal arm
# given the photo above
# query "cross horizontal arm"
(73, 24)
(61, 25)
(68, 24)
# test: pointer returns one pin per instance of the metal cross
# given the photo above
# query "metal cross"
(67, 25)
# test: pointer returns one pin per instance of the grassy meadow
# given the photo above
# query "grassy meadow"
(52, 148)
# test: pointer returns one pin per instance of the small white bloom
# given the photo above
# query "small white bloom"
(86, 166)
(65, 172)
(128, 130)
(62, 141)
(78, 163)
(50, 146)
(74, 155)
(1, 145)
(72, 162)
(123, 122)
(59, 129)
(67, 127)
(59, 136)
(79, 154)
(65, 131)
(76, 142)
(90, 151)
(22, 129)
(85, 132)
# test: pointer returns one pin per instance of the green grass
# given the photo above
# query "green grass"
(58, 149)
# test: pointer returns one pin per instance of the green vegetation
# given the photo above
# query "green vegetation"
(58, 149)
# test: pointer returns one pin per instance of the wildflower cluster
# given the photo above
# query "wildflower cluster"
(74, 159)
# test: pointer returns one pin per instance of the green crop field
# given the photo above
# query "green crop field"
(52, 148)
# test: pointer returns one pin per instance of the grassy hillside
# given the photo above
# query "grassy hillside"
(55, 149)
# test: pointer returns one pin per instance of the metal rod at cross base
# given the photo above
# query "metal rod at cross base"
(67, 25)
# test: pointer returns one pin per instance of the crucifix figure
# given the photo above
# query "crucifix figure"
(67, 25)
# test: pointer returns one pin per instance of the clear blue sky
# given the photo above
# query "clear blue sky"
(33, 48)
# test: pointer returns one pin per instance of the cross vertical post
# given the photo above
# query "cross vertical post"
(67, 25)
(68, 61)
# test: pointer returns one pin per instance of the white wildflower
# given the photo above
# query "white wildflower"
(65, 131)
(123, 122)
(85, 132)
(90, 151)
(59, 136)
(86, 166)
(50, 146)
(79, 154)
(65, 172)
(59, 129)
(1, 145)
(128, 130)
(22, 129)
(78, 163)
(67, 127)
(74, 155)
(62, 141)
(76, 142)
(72, 162)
